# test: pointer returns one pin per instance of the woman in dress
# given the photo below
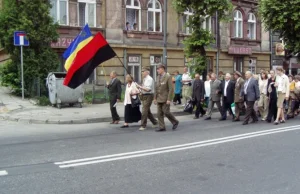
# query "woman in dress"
(178, 86)
(132, 114)
(272, 94)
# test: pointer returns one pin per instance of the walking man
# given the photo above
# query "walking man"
(250, 92)
(238, 100)
(198, 95)
(147, 96)
(215, 96)
(228, 96)
(186, 86)
(163, 98)
(115, 91)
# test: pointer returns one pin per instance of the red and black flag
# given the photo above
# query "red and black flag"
(87, 59)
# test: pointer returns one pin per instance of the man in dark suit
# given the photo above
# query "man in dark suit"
(250, 92)
(115, 91)
(227, 87)
(198, 95)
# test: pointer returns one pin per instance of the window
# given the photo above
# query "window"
(238, 24)
(134, 67)
(59, 11)
(206, 25)
(133, 14)
(251, 27)
(87, 12)
(154, 61)
(252, 65)
(238, 64)
(185, 19)
(154, 16)
(189, 62)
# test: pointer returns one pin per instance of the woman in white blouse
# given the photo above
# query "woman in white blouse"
(207, 89)
(132, 114)
(263, 103)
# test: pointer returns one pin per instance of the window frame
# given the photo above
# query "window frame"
(86, 17)
(131, 6)
(186, 29)
(252, 20)
(154, 11)
(135, 64)
(237, 59)
(57, 19)
(236, 20)
(153, 64)
(204, 23)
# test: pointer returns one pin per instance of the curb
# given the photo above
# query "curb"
(76, 121)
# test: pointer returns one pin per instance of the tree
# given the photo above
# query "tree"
(196, 43)
(282, 17)
(32, 16)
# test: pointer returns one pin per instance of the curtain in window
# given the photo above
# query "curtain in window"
(150, 21)
(53, 11)
(63, 12)
(82, 14)
(130, 17)
(91, 15)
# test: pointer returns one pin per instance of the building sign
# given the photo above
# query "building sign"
(155, 60)
(279, 49)
(240, 50)
(62, 42)
(134, 59)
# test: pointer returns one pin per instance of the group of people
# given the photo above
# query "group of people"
(269, 95)
(159, 93)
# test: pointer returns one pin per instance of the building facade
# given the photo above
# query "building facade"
(134, 29)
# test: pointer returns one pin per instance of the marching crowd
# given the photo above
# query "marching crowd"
(270, 95)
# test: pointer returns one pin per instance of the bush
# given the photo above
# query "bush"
(43, 101)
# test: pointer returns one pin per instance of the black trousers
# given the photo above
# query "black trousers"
(177, 98)
(272, 109)
(199, 108)
(250, 112)
(226, 107)
(113, 110)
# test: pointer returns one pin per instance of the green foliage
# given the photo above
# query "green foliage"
(43, 101)
(282, 17)
(32, 16)
(200, 38)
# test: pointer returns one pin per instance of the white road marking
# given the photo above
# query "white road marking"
(128, 155)
(3, 173)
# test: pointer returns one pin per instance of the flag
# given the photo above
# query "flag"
(87, 59)
(80, 41)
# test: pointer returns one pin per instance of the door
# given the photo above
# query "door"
(155, 60)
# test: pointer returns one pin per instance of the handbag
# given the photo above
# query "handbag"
(135, 101)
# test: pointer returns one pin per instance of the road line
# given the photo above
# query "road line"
(129, 155)
(3, 173)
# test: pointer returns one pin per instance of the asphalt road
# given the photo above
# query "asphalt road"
(200, 157)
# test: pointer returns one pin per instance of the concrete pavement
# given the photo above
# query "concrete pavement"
(15, 109)
(265, 163)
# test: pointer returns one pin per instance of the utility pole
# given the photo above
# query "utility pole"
(165, 56)
(217, 43)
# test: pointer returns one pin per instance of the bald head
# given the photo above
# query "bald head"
(213, 76)
(197, 76)
(227, 76)
(248, 74)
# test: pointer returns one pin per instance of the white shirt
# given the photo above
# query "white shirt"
(148, 83)
(280, 83)
(246, 86)
(225, 89)
(263, 84)
(128, 91)
(207, 88)
(186, 77)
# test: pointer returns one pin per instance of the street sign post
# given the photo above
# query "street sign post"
(21, 40)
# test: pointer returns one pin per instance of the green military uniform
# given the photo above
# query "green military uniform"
(239, 102)
(164, 92)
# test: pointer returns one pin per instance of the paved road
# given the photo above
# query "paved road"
(201, 157)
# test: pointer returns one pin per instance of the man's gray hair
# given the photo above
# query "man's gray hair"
(249, 72)
(114, 72)
(228, 74)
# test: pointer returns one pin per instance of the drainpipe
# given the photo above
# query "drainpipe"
(125, 63)
(271, 49)
(217, 43)
(165, 34)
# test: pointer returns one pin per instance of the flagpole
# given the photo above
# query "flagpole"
(125, 68)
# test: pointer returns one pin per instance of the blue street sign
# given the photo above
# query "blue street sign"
(20, 38)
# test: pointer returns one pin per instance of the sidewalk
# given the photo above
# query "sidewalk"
(15, 109)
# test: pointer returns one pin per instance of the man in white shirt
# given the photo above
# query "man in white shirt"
(147, 92)
(227, 87)
(186, 86)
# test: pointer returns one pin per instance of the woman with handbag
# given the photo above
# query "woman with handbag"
(132, 103)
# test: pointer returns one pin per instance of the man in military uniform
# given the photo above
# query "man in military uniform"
(239, 102)
(163, 98)
(147, 96)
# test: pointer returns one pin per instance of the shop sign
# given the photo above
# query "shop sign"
(62, 42)
(240, 50)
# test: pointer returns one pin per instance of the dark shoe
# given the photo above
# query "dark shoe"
(222, 119)
(253, 121)
(202, 114)
(175, 126)
(276, 122)
(160, 130)
(207, 118)
(245, 123)
(125, 126)
(196, 118)
(282, 121)
(268, 121)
